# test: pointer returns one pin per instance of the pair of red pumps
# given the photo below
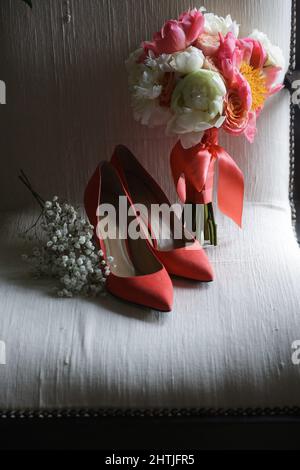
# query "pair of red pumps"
(142, 264)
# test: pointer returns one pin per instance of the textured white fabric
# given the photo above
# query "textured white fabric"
(227, 343)
(68, 103)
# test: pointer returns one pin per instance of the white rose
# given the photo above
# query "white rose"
(274, 53)
(197, 104)
(217, 24)
(188, 61)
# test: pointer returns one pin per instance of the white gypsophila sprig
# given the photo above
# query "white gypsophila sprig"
(67, 252)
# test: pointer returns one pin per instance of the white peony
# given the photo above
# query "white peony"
(144, 83)
(183, 62)
(275, 55)
(217, 24)
(149, 112)
(188, 61)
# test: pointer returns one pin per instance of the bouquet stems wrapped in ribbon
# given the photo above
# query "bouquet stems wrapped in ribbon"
(197, 78)
(193, 173)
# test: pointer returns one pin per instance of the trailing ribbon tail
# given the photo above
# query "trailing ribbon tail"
(230, 187)
(193, 174)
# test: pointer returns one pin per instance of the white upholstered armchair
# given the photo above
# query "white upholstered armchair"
(227, 344)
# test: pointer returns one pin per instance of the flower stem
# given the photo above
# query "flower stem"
(194, 218)
(27, 183)
(206, 225)
(211, 224)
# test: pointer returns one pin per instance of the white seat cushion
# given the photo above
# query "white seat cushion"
(225, 344)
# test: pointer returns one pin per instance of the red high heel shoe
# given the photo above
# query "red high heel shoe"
(182, 257)
(137, 275)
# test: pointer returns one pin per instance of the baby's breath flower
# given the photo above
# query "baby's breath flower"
(67, 252)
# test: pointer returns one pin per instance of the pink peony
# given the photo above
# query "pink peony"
(176, 35)
(252, 52)
(170, 39)
(226, 57)
(233, 52)
(272, 74)
(237, 106)
(249, 82)
(208, 43)
(251, 130)
(192, 23)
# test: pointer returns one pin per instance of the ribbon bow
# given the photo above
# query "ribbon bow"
(193, 174)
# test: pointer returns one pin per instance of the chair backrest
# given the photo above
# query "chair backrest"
(68, 104)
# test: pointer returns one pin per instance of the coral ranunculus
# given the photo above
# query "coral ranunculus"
(176, 35)
(237, 106)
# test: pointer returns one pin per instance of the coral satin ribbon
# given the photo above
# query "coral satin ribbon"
(193, 174)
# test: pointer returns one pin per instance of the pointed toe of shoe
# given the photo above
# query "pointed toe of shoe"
(164, 301)
(152, 290)
(199, 267)
(190, 262)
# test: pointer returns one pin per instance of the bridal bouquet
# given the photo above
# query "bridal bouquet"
(197, 77)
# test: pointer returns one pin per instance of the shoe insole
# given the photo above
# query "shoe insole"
(116, 246)
(132, 257)
(162, 224)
